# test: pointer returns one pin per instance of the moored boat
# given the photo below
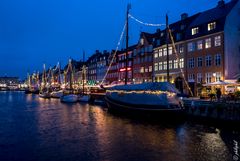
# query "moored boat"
(84, 98)
(57, 94)
(70, 98)
(147, 97)
(44, 95)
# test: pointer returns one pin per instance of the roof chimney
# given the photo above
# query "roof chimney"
(221, 3)
(184, 16)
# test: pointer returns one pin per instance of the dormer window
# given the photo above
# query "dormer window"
(211, 26)
(195, 30)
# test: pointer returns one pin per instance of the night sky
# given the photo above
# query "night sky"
(33, 32)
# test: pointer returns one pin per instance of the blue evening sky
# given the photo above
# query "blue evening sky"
(33, 32)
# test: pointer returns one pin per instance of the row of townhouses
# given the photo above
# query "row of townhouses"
(206, 49)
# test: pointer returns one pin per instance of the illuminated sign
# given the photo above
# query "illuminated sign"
(124, 69)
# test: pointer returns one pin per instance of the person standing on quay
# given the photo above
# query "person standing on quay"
(218, 93)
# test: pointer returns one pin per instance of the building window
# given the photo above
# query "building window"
(217, 41)
(160, 66)
(170, 50)
(195, 30)
(181, 49)
(218, 59)
(155, 53)
(160, 52)
(199, 78)
(175, 65)
(146, 69)
(208, 61)
(164, 51)
(199, 61)
(218, 76)
(181, 63)
(191, 46)
(170, 64)
(142, 70)
(156, 66)
(200, 45)
(191, 78)
(165, 65)
(150, 68)
(178, 36)
(208, 77)
(191, 63)
(208, 43)
(211, 26)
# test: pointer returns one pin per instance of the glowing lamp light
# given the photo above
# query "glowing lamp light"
(124, 69)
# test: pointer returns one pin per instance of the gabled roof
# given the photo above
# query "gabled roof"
(217, 14)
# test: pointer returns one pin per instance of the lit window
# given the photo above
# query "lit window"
(208, 43)
(170, 64)
(211, 26)
(199, 45)
(160, 66)
(195, 30)
(142, 70)
(175, 65)
(218, 76)
(156, 66)
(165, 65)
(170, 50)
(218, 59)
(208, 61)
(181, 63)
(150, 68)
(208, 77)
(164, 51)
(160, 52)
(217, 41)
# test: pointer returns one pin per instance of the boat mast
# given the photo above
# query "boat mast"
(126, 63)
(71, 74)
(83, 71)
(167, 41)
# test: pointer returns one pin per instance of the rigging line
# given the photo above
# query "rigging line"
(144, 23)
(178, 61)
(114, 55)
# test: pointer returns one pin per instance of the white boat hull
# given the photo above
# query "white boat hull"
(71, 98)
(57, 94)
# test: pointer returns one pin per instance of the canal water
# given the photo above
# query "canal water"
(35, 129)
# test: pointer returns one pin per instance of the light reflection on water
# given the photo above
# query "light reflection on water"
(32, 128)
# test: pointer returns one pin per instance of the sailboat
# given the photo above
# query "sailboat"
(44, 90)
(69, 96)
(146, 97)
(57, 91)
(84, 97)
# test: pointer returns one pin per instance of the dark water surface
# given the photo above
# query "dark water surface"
(35, 129)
